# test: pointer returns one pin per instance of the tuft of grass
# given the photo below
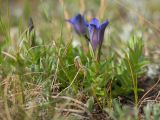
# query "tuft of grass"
(151, 111)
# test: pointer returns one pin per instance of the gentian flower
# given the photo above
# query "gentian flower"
(96, 33)
(79, 25)
(31, 31)
(30, 25)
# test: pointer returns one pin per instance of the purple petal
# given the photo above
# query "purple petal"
(79, 24)
(104, 25)
(75, 19)
(94, 35)
(101, 31)
(95, 22)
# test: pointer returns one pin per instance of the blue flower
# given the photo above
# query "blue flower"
(79, 25)
(96, 32)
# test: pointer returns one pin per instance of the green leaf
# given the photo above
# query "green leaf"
(90, 104)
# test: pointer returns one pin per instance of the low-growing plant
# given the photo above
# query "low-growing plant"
(131, 66)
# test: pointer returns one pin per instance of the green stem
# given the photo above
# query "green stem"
(134, 79)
